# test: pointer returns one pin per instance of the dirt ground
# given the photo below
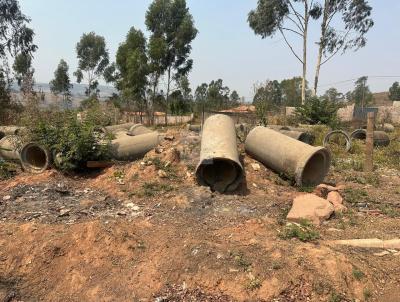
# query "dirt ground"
(131, 233)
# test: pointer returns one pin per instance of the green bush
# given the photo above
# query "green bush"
(7, 170)
(318, 111)
(71, 141)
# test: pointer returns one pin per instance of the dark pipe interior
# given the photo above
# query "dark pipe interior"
(35, 157)
(219, 174)
(314, 170)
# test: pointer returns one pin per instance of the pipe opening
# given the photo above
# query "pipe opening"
(2, 134)
(219, 174)
(34, 158)
(359, 134)
(315, 169)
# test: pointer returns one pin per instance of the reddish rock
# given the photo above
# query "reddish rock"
(310, 207)
(337, 201)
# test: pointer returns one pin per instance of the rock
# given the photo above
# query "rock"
(173, 156)
(162, 174)
(64, 212)
(381, 254)
(169, 137)
(6, 198)
(336, 200)
(256, 167)
(310, 207)
(132, 206)
(322, 190)
(159, 150)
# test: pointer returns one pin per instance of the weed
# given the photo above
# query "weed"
(306, 189)
(253, 284)
(166, 167)
(388, 210)
(7, 170)
(335, 297)
(354, 196)
(191, 167)
(304, 232)
(367, 293)
(357, 274)
(241, 261)
(150, 189)
(276, 265)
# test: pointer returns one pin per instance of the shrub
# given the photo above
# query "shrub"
(72, 142)
(304, 231)
(318, 111)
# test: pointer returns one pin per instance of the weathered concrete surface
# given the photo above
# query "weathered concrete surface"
(302, 136)
(306, 164)
(127, 147)
(310, 207)
(9, 147)
(219, 166)
(34, 158)
(381, 139)
(138, 129)
(120, 127)
(341, 133)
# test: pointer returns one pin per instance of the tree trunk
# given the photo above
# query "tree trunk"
(167, 96)
(303, 84)
(321, 47)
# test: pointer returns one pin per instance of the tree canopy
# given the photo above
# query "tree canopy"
(61, 83)
(394, 92)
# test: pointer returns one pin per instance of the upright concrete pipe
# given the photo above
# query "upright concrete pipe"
(34, 158)
(381, 139)
(138, 129)
(305, 164)
(219, 166)
(128, 147)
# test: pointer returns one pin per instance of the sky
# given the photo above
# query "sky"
(225, 47)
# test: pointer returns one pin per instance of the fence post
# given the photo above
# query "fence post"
(369, 149)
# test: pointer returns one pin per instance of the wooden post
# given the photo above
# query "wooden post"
(369, 149)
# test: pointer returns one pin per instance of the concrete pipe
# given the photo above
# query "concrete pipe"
(305, 164)
(9, 147)
(304, 137)
(34, 158)
(219, 166)
(388, 127)
(138, 129)
(194, 128)
(279, 127)
(115, 128)
(11, 130)
(381, 139)
(341, 133)
(128, 147)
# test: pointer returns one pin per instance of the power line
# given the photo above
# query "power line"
(352, 80)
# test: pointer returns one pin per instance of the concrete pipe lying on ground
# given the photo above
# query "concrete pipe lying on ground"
(34, 158)
(138, 129)
(194, 128)
(115, 128)
(11, 130)
(9, 147)
(341, 133)
(306, 164)
(304, 137)
(219, 166)
(388, 127)
(381, 139)
(128, 147)
(279, 127)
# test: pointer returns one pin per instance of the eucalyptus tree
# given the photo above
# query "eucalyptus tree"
(61, 84)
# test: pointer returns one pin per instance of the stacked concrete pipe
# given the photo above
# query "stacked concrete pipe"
(127, 147)
(381, 139)
(306, 164)
(219, 166)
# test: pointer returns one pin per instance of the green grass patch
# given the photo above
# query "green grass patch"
(304, 231)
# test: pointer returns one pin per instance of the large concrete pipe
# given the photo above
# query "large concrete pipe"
(305, 164)
(194, 128)
(9, 147)
(342, 133)
(304, 137)
(34, 158)
(381, 139)
(128, 147)
(11, 130)
(115, 128)
(279, 127)
(219, 166)
(138, 129)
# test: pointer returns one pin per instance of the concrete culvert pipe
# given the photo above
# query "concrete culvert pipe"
(219, 166)
(128, 147)
(304, 137)
(11, 130)
(115, 128)
(138, 129)
(341, 133)
(381, 139)
(279, 127)
(34, 158)
(306, 164)
(194, 128)
(9, 147)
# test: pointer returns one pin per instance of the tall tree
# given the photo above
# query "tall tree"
(344, 26)
(286, 16)
(333, 95)
(61, 83)
(93, 59)
(234, 98)
(394, 92)
(292, 91)
(16, 38)
(269, 95)
(173, 31)
(361, 95)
